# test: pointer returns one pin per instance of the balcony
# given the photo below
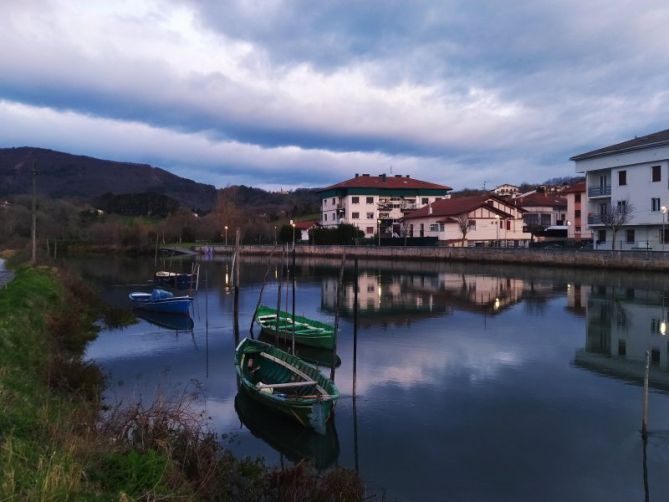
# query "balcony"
(595, 219)
(600, 191)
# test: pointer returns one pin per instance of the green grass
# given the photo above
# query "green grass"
(56, 444)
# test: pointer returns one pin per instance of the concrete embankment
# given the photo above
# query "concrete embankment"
(626, 260)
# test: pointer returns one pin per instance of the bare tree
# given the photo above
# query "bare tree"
(464, 225)
(613, 217)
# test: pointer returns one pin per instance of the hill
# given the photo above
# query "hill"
(62, 175)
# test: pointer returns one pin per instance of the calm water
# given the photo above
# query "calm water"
(472, 382)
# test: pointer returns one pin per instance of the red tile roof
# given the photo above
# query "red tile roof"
(457, 206)
(389, 182)
(575, 188)
(541, 200)
(305, 225)
(655, 139)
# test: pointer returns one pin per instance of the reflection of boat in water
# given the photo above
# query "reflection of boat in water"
(287, 437)
(167, 321)
(285, 383)
(307, 331)
(314, 355)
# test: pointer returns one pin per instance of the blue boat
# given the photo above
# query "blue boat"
(160, 300)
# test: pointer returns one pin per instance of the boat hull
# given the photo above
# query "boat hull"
(298, 390)
(317, 334)
(166, 305)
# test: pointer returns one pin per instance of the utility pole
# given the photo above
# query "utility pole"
(34, 215)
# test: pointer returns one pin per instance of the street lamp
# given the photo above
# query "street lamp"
(378, 231)
(292, 224)
(226, 234)
(664, 219)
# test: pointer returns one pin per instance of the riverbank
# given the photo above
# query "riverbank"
(59, 441)
(614, 260)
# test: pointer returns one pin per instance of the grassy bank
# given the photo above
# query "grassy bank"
(58, 443)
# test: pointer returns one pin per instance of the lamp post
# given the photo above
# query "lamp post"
(664, 219)
(378, 226)
(226, 234)
(497, 227)
(292, 224)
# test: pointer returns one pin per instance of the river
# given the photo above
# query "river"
(472, 382)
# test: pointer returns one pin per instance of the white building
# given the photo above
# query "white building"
(632, 174)
(491, 220)
(377, 202)
(506, 190)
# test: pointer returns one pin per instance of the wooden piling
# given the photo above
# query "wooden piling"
(262, 288)
(644, 419)
(293, 277)
(336, 321)
(278, 299)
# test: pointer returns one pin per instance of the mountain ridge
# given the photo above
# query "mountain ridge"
(63, 174)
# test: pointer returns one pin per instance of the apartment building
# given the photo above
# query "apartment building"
(629, 178)
(377, 203)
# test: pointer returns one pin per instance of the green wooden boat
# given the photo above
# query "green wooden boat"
(307, 331)
(285, 383)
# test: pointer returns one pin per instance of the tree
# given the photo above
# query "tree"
(464, 225)
(613, 217)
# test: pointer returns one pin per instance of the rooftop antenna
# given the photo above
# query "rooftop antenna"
(391, 169)
(484, 182)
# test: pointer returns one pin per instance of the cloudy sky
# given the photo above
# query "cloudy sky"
(279, 93)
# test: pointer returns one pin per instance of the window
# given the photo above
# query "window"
(577, 197)
(424, 201)
(472, 224)
(436, 227)
(333, 200)
(355, 216)
(655, 204)
(369, 230)
(577, 213)
(325, 217)
(655, 357)
(601, 236)
(666, 236)
(622, 178)
(622, 347)
(657, 173)
(355, 200)
(630, 236)
(578, 230)
(622, 206)
(370, 200)
(508, 224)
(370, 216)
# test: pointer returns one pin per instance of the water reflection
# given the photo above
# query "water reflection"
(460, 380)
(167, 321)
(621, 325)
(287, 437)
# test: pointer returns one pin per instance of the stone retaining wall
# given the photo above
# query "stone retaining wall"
(625, 260)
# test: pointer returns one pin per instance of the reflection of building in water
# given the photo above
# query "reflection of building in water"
(577, 296)
(432, 293)
(622, 324)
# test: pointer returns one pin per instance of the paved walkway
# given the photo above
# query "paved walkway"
(5, 275)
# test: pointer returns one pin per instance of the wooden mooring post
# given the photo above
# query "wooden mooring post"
(644, 419)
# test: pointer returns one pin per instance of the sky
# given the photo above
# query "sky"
(306, 93)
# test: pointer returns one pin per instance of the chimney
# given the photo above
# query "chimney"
(356, 175)
(408, 176)
(398, 176)
(366, 174)
(383, 177)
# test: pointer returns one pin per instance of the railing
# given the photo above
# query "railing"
(595, 219)
(600, 191)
